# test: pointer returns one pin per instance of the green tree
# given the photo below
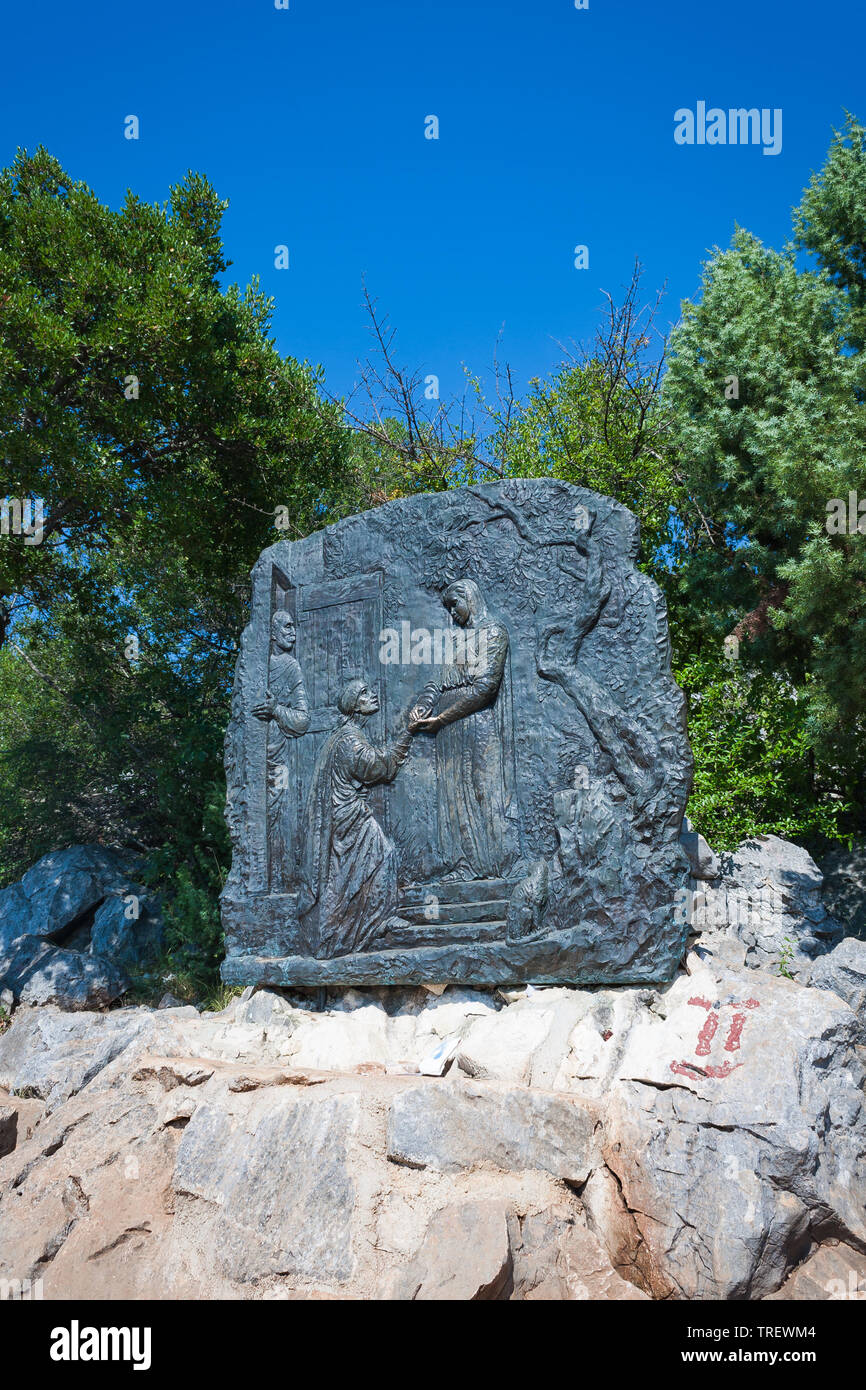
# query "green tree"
(766, 388)
(755, 768)
(149, 408)
(599, 422)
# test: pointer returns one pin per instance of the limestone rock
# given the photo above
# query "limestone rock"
(39, 973)
(465, 1256)
(18, 1119)
(844, 890)
(704, 1140)
(8, 1129)
(768, 896)
(833, 1271)
(274, 1168)
(60, 889)
(502, 1045)
(703, 862)
(127, 929)
(466, 1124)
(53, 1054)
(843, 970)
(735, 1128)
(556, 1257)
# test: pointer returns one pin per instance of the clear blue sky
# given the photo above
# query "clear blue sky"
(556, 128)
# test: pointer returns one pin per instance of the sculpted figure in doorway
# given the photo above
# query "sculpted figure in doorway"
(286, 710)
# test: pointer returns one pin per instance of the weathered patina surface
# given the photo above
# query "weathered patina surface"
(456, 750)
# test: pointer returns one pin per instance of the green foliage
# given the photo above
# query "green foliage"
(762, 461)
(579, 427)
(831, 221)
(755, 769)
(786, 956)
(194, 938)
(761, 465)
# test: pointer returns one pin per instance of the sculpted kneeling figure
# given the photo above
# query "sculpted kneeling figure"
(349, 866)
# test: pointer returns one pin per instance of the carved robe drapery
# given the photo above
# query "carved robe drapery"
(349, 870)
(291, 719)
(479, 833)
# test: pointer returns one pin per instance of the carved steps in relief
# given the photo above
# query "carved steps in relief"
(443, 933)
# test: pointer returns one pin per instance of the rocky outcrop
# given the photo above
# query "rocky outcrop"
(74, 925)
(701, 1141)
(703, 862)
(844, 889)
(843, 971)
(58, 892)
(38, 973)
(768, 897)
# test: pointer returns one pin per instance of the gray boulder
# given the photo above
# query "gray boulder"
(703, 862)
(701, 1141)
(73, 925)
(127, 929)
(466, 1256)
(8, 1129)
(768, 898)
(843, 970)
(55, 896)
(845, 888)
(39, 973)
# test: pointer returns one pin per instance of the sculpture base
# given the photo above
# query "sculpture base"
(579, 956)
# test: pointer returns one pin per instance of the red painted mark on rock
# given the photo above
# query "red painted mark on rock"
(733, 1041)
(707, 1034)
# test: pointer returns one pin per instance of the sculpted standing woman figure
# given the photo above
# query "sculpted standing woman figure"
(479, 832)
(349, 868)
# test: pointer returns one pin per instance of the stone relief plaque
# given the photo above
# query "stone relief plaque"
(456, 750)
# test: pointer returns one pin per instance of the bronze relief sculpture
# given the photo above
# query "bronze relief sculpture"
(523, 822)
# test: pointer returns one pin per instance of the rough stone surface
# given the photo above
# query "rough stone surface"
(66, 933)
(555, 1256)
(704, 863)
(8, 1129)
(273, 1170)
(844, 889)
(466, 1125)
(60, 890)
(526, 793)
(834, 1271)
(701, 1140)
(465, 1256)
(735, 1130)
(843, 970)
(39, 973)
(127, 929)
(768, 897)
